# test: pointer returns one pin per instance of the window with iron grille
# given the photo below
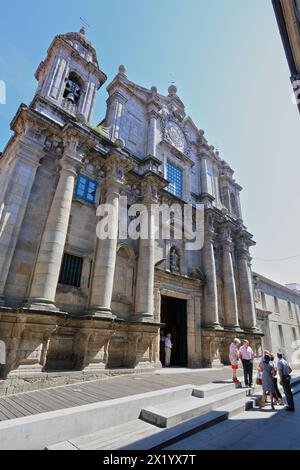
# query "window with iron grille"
(174, 176)
(70, 271)
(86, 188)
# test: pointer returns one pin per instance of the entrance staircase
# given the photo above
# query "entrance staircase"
(164, 423)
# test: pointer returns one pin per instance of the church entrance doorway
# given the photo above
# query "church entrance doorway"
(173, 315)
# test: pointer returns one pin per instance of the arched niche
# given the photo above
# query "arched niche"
(124, 281)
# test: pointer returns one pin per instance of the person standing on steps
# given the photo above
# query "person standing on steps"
(168, 350)
(268, 372)
(277, 395)
(284, 371)
(234, 358)
(247, 356)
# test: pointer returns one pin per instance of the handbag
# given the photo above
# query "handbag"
(258, 380)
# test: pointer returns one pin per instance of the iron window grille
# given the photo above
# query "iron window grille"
(70, 271)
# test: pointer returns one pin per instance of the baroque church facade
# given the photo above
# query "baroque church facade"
(70, 301)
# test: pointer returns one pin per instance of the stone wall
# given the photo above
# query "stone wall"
(43, 342)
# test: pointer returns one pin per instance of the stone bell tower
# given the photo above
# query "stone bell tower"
(68, 79)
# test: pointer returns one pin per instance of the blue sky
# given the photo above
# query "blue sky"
(228, 63)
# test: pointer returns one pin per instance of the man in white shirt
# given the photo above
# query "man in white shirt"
(246, 356)
(168, 349)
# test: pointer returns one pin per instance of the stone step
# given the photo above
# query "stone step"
(139, 435)
(110, 438)
(174, 412)
(214, 388)
(169, 436)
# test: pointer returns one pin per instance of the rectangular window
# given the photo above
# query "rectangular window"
(281, 337)
(290, 310)
(263, 300)
(276, 305)
(70, 271)
(86, 188)
(294, 334)
(175, 178)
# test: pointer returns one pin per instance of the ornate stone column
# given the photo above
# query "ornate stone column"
(145, 271)
(15, 191)
(47, 268)
(230, 298)
(246, 286)
(211, 293)
(106, 248)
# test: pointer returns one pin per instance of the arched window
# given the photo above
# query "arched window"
(72, 89)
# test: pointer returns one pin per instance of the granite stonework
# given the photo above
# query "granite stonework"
(112, 319)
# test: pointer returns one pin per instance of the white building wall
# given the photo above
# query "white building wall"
(287, 318)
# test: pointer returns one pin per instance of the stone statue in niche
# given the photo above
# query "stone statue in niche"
(174, 261)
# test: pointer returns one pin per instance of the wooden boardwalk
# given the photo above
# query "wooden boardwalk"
(67, 396)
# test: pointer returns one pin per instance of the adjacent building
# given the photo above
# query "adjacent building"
(278, 315)
(287, 13)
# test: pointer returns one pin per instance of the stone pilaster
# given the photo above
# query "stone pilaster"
(81, 345)
(246, 287)
(230, 298)
(106, 248)
(211, 316)
(47, 268)
(203, 175)
(153, 108)
(13, 344)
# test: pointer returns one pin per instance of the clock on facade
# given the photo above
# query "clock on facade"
(176, 136)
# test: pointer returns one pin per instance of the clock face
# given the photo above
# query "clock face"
(176, 136)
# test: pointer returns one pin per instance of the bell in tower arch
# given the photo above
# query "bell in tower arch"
(72, 90)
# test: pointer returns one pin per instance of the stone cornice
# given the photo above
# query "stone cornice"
(283, 288)
(181, 156)
(262, 314)
(231, 181)
(161, 275)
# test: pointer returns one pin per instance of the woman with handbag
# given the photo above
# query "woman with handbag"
(277, 395)
(268, 373)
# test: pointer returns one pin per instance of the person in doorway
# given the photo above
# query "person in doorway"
(168, 350)
(284, 371)
(246, 355)
(234, 358)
